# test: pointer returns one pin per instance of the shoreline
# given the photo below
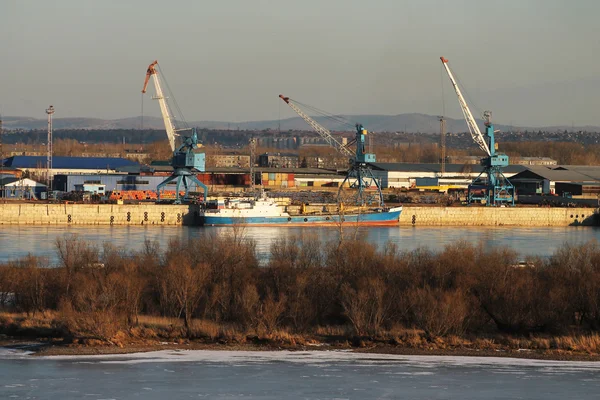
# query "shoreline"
(40, 348)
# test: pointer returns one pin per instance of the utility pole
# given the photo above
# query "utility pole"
(252, 155)
(1, 149)
(1, 159)
(50, 112)
(443, 144)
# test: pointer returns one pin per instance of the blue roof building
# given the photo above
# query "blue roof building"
(69, 163)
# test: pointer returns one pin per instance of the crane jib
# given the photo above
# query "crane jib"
(471, 123)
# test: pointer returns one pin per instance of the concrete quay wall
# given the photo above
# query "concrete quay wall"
(98, 214)
(169, 214)
(498, 216)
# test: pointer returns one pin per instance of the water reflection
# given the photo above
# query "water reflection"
(18, 241)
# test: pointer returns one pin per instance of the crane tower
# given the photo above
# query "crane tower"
(184, 161)
(359, 175)
(491, 186)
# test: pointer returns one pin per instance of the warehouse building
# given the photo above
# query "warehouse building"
(69, 165)
(278, 160)
(405, 175)
(571, 180)
(15, 188)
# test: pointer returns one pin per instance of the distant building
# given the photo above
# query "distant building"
(68, 165)
(278, 160)
(534, 161)
(137, 155)
(404, 175)
(464, 159)
(228, 160)
(576, 180)
(14, 188)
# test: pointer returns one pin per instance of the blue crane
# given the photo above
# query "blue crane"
(185, 160)
(359, 175)
(491, 186)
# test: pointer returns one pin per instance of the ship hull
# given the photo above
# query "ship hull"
(388, 218)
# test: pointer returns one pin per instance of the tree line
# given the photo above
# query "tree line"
(306, 285)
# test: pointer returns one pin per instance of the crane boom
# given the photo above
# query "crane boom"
(164, 108)
(471, 123)
(325, 134)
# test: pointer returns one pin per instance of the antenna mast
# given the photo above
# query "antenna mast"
(1, 158)
(252, 156)
(1, 149)
(50, 112)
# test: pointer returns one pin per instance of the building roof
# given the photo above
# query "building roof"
(537, 159)
(60, 162)
(5, 180)
(11, 181)
(452, 168)
(556, 174)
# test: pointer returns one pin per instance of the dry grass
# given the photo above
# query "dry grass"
(154, 328)
(586, 343)
(44, 319)
(153, 321)
(335, 330)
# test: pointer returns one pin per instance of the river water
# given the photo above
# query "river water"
(292, 375)
(18, 241)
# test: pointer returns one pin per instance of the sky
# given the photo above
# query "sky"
(532, 62)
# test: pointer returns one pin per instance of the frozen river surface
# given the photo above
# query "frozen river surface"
(292, 375)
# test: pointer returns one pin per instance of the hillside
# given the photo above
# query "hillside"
(413, 122)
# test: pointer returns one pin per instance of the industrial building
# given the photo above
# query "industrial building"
(278, 160)
(15, 188)
(404, 175)
(228, 160)
(69, 165)
(571, 180)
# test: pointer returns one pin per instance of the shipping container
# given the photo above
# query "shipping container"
(426, 181)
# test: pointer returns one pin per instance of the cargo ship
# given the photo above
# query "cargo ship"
(266, 212)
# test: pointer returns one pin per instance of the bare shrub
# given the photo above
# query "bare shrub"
(270, 313)
(436, 311)
(365, 307)
(74, 254)
(182, 284)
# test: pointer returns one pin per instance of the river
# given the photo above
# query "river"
(18, 240)
(292, 375)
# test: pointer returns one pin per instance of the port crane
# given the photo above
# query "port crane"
(359, 173)
(491, 185)
(184, 160)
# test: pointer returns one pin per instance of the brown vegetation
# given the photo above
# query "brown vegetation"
(215, 290)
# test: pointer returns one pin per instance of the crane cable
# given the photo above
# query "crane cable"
(338, 119)
(467, 95)
(142, 114)
(170, 95)
(443, 94)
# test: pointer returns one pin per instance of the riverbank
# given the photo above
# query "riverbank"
(44, 337)
(43, 349)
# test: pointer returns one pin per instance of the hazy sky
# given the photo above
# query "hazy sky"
(532, 62)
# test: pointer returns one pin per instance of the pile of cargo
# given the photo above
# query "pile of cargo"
(142, 195)
(278, 179)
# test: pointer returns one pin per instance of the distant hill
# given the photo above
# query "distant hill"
(413, 122)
